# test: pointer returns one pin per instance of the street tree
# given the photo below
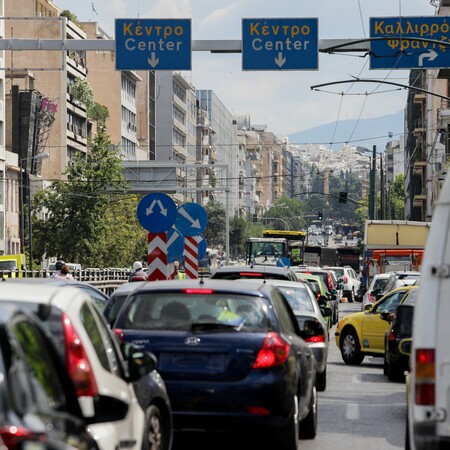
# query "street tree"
(215, 230)
(86, 220)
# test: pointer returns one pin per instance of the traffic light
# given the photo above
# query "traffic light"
(342, 197)
(320, 215)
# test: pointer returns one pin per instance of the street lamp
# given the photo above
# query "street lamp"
(25, 185)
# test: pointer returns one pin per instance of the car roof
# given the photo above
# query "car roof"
(255, 287)
(128, 287)
(253, 268)
(46, 293)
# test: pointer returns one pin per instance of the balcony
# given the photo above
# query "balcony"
(419, 98)
(419, 167)
(444, 112)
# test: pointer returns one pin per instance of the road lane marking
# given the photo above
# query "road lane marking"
(352, 411)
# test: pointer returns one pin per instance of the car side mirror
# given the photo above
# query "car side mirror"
(368, 308)
(326, 312)
(139, 361)
(333, 297)
(323, 301)
(404, 346)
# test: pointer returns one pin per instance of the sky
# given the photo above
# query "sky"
(281, 100)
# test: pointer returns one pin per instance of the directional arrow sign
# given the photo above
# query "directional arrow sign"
(280, 44)
(157, 212)
(394, 46)
(191, 219)
(153, 44)
(175, 245)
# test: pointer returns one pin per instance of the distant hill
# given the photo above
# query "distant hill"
(368, 132)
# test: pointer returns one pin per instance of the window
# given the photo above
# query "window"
(44, 374)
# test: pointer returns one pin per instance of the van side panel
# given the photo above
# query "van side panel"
(431, 330)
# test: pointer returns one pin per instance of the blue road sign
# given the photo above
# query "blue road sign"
(153, 44)
(201, 246)
(175, 245)
(280, 44)
(191, 219)
(157, 212)
(395, 46)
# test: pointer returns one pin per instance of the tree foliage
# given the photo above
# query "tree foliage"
(215, 230)
(85, 222)
(396, 199)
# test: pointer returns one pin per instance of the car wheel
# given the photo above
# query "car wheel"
(154, 438)
(395, 373)
(350, 348)
(321, 381)
(287, 437)
(308, 426)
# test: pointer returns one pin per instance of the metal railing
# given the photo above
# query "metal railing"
(106, 280)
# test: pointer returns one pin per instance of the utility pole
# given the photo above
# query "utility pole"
(372, 195)
(382, 193)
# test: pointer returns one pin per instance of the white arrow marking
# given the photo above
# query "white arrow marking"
(162, 209)
(172, 239)
(431, 56)
(185, 214)
(149, 210)
(153, 61)
(280, 60)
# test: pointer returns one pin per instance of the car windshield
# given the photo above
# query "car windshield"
(298, 298)
(195, 312)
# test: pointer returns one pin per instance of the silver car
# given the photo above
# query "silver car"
(311, 317)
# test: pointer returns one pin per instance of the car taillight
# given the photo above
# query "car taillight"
(273, 352)
(425, 377)
(118, 332)
(391, 336)
(14, 437)
(315, 339)
(198, 291)
(77, 361)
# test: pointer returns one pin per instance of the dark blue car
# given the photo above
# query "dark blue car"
(231, 355)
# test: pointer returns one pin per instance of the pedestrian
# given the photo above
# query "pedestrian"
(58, 266)
(64, 273)
(176, 274)
(138, 274)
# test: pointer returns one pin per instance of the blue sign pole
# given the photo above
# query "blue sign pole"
(153, 44)
(410, 42)
(280, 44)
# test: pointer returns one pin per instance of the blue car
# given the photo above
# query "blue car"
(231, 355)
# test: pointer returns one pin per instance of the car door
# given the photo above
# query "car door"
(373, 326)
(130, 428)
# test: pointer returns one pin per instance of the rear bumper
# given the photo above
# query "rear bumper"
(425, 437)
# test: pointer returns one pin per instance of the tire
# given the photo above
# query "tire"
(350, 347)
(287, 437)
(395, 373)
(407, 442)
(308, 426)
(321, 381)
(154, 435)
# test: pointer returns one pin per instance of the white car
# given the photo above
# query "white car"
(349, 281)
(106, 385)
(377, 284)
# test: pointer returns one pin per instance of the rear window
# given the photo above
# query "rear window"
(298, 298)
(380, 283)
(188, 311)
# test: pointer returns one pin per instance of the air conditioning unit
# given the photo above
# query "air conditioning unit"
(419, 97)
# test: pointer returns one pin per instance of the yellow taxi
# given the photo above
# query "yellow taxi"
(362, 333)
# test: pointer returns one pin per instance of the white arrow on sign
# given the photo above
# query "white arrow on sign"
(173, 238)
(431, 56)
(280, 60)
(194, 223)
(162, 210)
(153, 61)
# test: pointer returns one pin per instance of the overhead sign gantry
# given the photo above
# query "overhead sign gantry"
(410, 42)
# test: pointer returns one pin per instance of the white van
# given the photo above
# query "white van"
(429, 389)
